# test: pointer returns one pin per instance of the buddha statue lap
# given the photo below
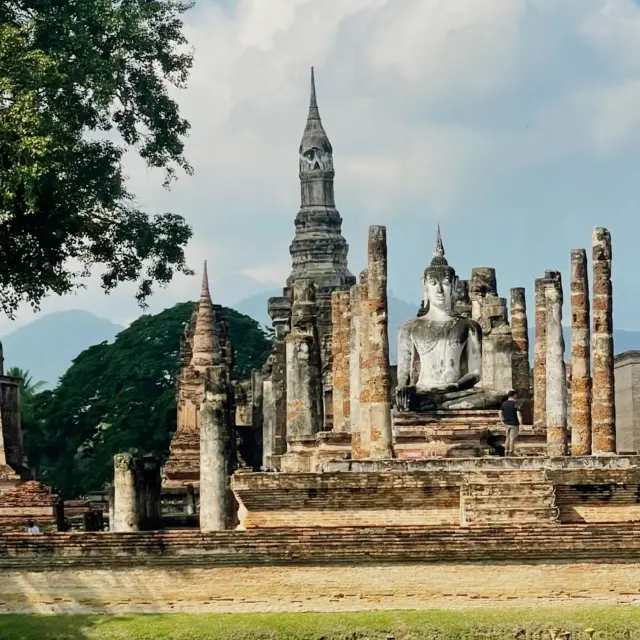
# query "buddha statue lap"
(440, 352)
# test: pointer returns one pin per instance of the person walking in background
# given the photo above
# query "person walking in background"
(510, 417)
(32, 528)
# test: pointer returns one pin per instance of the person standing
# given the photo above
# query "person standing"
(510, 417)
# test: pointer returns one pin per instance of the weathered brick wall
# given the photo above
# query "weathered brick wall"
(406, 498)
(319, 569)
(533, 542)
(334, 500)
(313, 588)
(597, 495)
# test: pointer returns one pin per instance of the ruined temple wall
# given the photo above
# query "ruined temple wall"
(627, 396)
(490, 312)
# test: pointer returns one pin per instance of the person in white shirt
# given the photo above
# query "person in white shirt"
(32, 528)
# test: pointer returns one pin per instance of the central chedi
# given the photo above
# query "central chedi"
(440, 351)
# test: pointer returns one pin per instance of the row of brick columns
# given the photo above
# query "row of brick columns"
(592, 407)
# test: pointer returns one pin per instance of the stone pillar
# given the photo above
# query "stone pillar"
(603, 409)
(126, 516)
(280, 313)
(354, 367)
(364, 418)
(521, 379)
(497, 343)
(268, 423)
(152, 493)
(214, 444)
(540, 357)
(341, 326)
(304, 379)
(379, 381)
(556, 383)
(580, 356)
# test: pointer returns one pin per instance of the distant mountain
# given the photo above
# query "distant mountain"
(47, 346)
(401, 311)
(256, 306)
(622, 341)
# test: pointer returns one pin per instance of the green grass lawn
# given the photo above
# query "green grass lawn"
(609, 622)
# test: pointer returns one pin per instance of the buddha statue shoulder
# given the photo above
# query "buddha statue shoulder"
(440, 352)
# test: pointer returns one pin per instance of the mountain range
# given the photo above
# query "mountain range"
(47, 346)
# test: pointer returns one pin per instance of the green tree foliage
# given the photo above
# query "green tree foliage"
(121, 397)
(81, 83)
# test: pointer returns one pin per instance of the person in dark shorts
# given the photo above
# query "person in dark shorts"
(510, 416)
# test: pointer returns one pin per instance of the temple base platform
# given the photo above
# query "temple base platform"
(458, 492)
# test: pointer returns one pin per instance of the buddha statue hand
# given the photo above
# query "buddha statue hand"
(403, 397)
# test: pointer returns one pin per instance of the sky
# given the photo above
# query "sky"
(515, 124)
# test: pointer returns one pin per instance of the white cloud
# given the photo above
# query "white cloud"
(435, 109)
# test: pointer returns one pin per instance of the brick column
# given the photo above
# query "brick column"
(603, 410)
(341, 329)
(540, 357)
(364, 418)
(556, 382)
(379, 382)
(354, 368)
(520, 358)
(580, 356)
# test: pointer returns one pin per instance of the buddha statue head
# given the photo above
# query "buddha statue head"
(439, 282)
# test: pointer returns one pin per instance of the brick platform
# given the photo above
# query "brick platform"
(347, 545)
(443, 492)
(342, 569)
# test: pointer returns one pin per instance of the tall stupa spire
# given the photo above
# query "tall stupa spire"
(314, 113)
(316, 153)
(318, 251)
(205, 344)
(204, 290)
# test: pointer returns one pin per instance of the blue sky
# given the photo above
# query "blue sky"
(513, 123)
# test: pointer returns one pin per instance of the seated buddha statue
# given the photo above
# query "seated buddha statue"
(440, 352)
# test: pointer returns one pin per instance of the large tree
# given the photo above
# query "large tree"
(121, 397)
(81, 83)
